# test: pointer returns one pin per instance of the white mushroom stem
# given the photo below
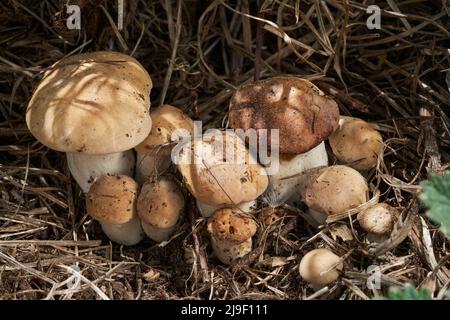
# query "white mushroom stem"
(208, 210)
(157, 234)
(281, 189)
(85, 168)
(128, 234)
(228, 251)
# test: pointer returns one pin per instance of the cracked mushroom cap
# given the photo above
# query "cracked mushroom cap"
(160, 203)
(378, 219)
(166, 119)
(303, 114)
(230, 225)
(356, 143)
(112, 199)
(334, 189)
(320, 267)
(221, 171)
(95, 103)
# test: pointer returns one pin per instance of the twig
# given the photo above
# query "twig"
(259, 43)
(174, 51)
(62, 243)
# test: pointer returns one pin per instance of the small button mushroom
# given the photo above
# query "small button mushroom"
(301, 112)
(219, 171)
(378, 221)
(95, 107)
(153, 154)
(159, 206)
(332, 190)
(111, 200)
(231, 234)
(320, 267)
(356, 144)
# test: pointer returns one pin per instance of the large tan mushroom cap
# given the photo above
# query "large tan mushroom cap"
(221, 171)
(160, 203)
(112, 199)
(320, 267)
(228, 224)
(166, 119)
(334, 189)
(356, 143)
(95, 103)
(295, 106)
(379, 219)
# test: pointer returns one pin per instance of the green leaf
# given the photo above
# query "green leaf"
(408, 292)
(436, 196)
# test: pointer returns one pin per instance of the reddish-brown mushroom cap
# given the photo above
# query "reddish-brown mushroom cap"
(295, 106)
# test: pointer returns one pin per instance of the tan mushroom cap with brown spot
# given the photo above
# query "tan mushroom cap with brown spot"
(221, 171)
(303, 114)
(160, 203)
(231, 225)
(378, 219)
(112, 199)
(95, 103)
(166, 119)
(334, 189)
(356, 143)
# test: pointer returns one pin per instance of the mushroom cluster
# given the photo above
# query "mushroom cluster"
(138, 168)
(96, 108)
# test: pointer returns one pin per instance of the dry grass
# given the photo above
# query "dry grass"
(197, 52)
